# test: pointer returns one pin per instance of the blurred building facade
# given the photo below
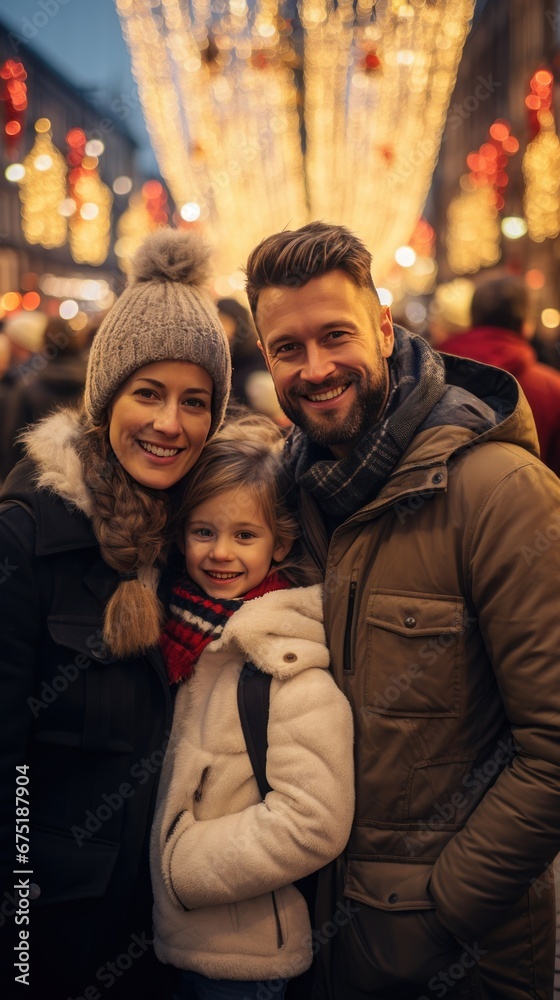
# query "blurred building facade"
(50, 96)
(510, 41)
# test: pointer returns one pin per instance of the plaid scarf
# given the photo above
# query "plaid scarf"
(343, 486)
(197, 619)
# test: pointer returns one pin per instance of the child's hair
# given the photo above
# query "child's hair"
(247, 452)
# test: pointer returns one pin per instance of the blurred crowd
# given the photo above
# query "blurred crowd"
(43, 361)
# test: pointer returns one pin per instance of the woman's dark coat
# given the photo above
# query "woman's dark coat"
(93, 731)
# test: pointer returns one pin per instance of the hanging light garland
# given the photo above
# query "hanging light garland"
(13, 94)
(42, 189)
(473, 229)
(147, 210)
(89, 203)
(473, 234)
(264, 120)
(541, 163)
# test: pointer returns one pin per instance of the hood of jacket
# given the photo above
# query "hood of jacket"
(281, 633)
(480, 403)
(493, 345)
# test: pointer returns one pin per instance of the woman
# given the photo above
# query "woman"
(86, 709)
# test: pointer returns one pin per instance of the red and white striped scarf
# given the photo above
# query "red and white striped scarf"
(195, 619)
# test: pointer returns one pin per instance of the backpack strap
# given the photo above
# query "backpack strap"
(253, 701)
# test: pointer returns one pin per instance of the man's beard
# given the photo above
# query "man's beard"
(327, 428)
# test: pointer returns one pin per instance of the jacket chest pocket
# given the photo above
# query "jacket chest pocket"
(413, 652)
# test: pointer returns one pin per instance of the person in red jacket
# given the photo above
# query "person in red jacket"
(500, 318)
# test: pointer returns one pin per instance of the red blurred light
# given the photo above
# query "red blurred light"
(30, 301)
(500, 129)
(76, 138)
(500, 202)
(12, 70)
(152, 189)
(473, 161)
(543, 78)
(12, 128)
(533, 102)
(535, 278)
(510, 145)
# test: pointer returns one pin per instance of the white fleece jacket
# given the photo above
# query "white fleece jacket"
(222, 859)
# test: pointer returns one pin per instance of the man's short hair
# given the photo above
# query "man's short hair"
(293, 257)
(502, 302)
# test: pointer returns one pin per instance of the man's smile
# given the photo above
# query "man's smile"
(320, 397)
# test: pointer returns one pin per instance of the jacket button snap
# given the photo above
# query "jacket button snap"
(290, 658)
(100, 652)
(34, 890)
(437, 478)
(393, 898)
(410, 622)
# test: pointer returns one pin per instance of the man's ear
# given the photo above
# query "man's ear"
(387, 332)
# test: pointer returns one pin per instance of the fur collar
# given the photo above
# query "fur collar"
(51, 444)
(281, 633)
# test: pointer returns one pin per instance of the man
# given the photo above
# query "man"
(499, 336)
(438, 531)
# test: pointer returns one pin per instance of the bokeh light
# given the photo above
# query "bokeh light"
(535, 279)
(11, 301)
(31, 301)
(68, 309)
(550, 318)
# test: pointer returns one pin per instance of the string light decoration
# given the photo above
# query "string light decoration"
(147, 210)
(541, 163)
(474, 212)
(42, 189)
(264, 119)
(89, 204)
(473, 229)
(13, 94)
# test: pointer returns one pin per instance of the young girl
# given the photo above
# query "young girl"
(223, 861)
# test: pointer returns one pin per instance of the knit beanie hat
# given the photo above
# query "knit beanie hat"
(164, 314)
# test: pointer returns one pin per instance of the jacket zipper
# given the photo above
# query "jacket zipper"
(279, 937)
(347, 654)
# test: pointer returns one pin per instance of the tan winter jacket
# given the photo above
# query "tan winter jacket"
(442, 615)
(222, 859)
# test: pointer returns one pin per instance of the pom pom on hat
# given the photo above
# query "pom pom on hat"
(164, 314)
(167, 256)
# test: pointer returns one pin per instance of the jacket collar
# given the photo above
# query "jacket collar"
(281, 633)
